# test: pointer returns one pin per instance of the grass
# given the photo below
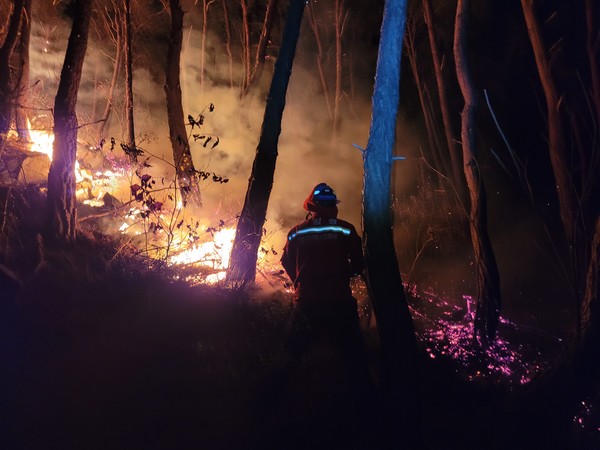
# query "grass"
(101, 352)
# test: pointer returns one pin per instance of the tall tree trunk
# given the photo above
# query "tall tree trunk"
(339, 22)
(435, 146)
(394, 322)
(488, 280)
(455, 158)
(228, 41)
(556, 137)
(259, 60)
(246, 46)
(569, 203)
(130, 132)
(105, 119)
(6, 85)
(21, 113)
(242, 269)
(312, 20)
(205, 7)
(184, 166)
(62, 213)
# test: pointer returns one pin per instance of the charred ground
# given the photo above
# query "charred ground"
(102, 351)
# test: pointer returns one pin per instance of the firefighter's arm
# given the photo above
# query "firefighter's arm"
(357, 261)
(288, 259)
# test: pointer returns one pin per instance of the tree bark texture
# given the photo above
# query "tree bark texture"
(487, 313)
(242, 269)
(62, 213)
(7, 96)
(394, 321)
(182, 157)
(21, 112)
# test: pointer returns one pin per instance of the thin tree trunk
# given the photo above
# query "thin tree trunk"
(455, 158)
(228, 41)
(205, 7)
(105, 119)
(556, 138)
(182, 157)
(339, 23)
(434, 141)
(21, 112)
(246, 46)
(62, 213)
(130, 132)
(259, 60)
(242, 269)
(319, 57)
(6, 85)
(394, 322)
(488, 280)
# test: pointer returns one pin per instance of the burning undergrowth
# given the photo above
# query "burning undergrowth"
(137, 200)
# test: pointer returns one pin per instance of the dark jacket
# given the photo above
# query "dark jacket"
(321, 255)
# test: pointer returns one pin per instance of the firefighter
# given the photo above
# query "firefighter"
(321, 255)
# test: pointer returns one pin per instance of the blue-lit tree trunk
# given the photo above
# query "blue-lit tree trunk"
(242, 269)
(394, 322)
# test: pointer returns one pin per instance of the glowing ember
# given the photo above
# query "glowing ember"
(446, 330)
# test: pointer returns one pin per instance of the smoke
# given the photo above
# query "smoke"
(307, 153)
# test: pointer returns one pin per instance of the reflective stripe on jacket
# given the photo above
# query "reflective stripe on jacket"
(320, 257)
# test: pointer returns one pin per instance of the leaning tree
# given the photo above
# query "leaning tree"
(244, 254)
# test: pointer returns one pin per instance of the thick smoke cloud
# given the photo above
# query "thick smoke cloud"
(307, 153)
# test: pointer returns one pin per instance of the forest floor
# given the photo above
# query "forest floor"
(100, 352)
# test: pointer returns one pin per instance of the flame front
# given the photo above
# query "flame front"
(213, 254)
(41, 141)
(198, 256)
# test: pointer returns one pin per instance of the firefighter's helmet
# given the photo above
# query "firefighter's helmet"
(324, 195)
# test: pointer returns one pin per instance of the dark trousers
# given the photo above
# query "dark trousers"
(332, 325)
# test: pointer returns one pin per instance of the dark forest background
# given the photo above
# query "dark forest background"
(545, 246)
